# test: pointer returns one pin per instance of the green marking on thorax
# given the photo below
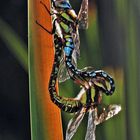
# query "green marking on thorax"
(68, 43)
(67, 17)
(67, 36)
(65, 27)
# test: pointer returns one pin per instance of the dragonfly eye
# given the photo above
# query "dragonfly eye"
(64, 5)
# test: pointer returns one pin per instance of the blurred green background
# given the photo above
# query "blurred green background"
(110, 43)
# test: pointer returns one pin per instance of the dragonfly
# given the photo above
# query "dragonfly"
(66, 104)
(66, 24)
(71, 105)
(62, 12)
(75, 105)
(96, 79)
(94, 117)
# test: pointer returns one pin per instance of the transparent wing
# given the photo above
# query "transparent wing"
(74, 124)
(82, 24)
(88, 69)
(108, 113)
(83, 15)
(91, 127)
(76, 39)
(94, 120)
(63, 74)
(80, 94)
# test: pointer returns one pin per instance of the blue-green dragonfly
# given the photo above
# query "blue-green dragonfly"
(75, 105)
(66, 23)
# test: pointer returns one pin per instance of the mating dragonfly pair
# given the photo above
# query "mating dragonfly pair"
(67, 42)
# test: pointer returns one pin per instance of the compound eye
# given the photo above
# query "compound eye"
(62, 4)
(66, 5)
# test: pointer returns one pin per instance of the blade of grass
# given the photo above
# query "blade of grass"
(128, 16)
(45, 116)
(14, 43)
(131, 68)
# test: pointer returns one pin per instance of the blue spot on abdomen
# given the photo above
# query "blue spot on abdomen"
(68, 51)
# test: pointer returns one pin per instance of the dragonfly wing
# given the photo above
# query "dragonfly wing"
(74, 124)
(63, 73)
(80, 94)
(91, 127)
(75, 55)
(88, 69)
(76, 39)
(83, 15)
(108, 113)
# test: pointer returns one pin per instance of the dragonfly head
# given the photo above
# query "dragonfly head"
(61, 4)
(103, 85)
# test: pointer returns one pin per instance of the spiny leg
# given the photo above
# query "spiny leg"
(54, 28)
(46, 8)
(98, 96)
(89, 99)
(50, 32)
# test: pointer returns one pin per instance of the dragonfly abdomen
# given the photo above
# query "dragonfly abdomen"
(66, 104)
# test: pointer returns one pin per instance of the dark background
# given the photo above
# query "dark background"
(14, 97)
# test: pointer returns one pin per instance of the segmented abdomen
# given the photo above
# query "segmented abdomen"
(66, 104)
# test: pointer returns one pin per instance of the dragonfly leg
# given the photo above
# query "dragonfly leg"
(98, 96)
(46, 8)
(89, 99)
(50, 32)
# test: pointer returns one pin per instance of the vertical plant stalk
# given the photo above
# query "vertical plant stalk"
(45, 116)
